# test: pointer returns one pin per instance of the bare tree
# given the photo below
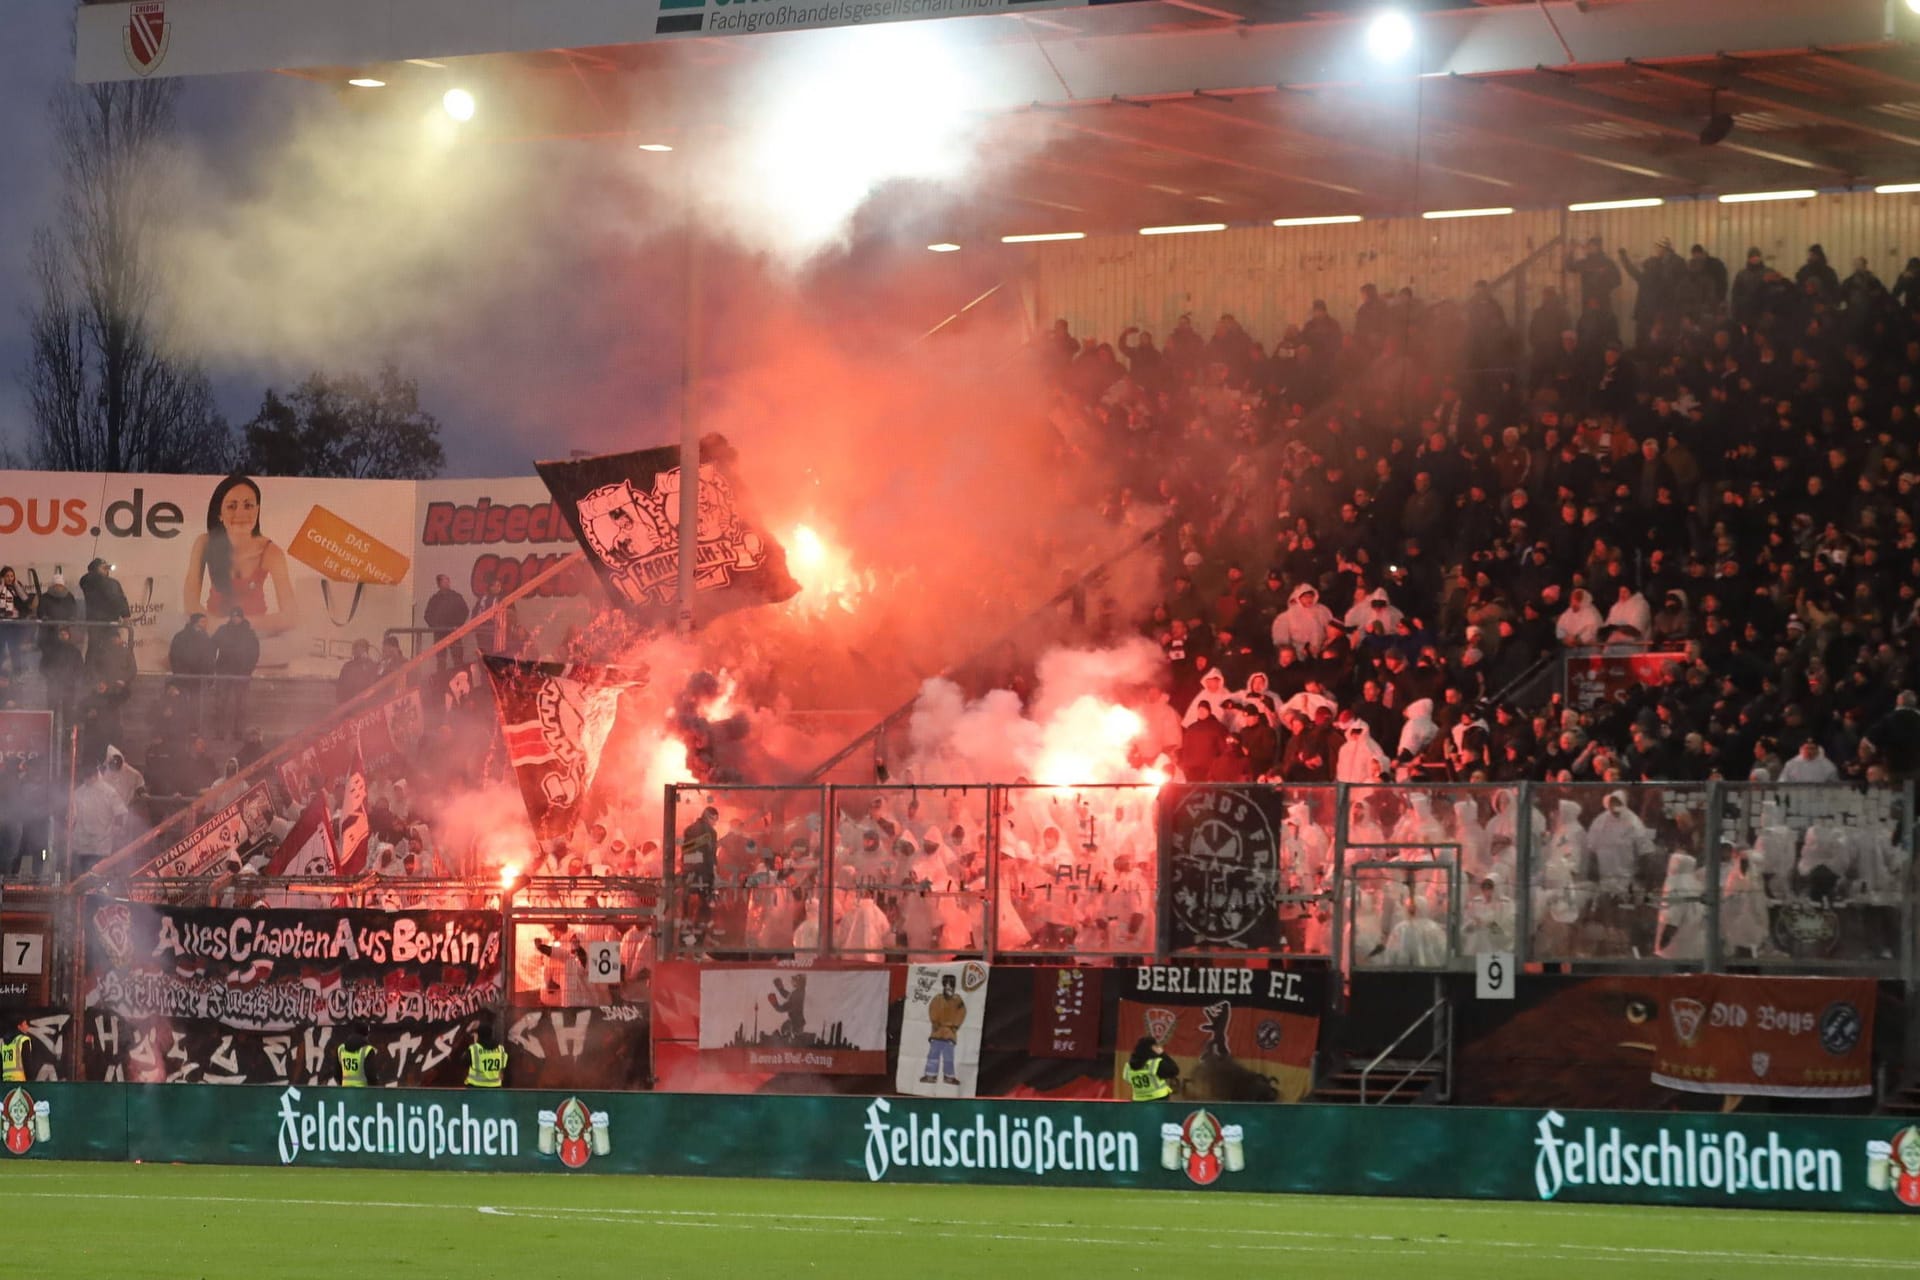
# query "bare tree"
(106, 392)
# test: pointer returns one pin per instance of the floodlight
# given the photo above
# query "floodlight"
(459, 104)
(1389, 35)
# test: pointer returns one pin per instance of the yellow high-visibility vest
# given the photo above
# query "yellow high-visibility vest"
(485, 1066)
(13, 1060)
(353, 1066)
(1146, 1083)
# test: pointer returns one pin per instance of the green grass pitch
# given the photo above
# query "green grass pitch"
(124, 1222)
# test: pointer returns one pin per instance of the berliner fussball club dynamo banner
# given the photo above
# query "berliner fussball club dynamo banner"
(1852, 1163)
(940, 1021)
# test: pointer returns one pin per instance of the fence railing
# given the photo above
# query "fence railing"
(1700, 876)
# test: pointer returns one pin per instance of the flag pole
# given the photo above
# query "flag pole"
(689, 418)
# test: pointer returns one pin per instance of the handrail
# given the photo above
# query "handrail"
(1520, 266)
(1366, 1072)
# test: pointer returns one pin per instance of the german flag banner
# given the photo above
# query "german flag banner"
(1239, 1034)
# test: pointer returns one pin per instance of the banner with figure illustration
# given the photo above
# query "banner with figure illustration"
(277, 970)
(1771, 1037)
(940, 1023)
(783, 1021)
(624, 509)
(1239, 1035)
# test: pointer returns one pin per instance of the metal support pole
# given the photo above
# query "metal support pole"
(1523, 873)
(1710, 890)
(690, 421)
(990, 945)
(823, 945)
(1342, 957)
(668, 947)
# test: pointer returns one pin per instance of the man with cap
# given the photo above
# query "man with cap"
(1598, 276)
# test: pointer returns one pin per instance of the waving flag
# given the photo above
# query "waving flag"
(308, 849)
(625, 511)
(555, 718)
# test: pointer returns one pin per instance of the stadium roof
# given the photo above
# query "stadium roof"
(1113, 116)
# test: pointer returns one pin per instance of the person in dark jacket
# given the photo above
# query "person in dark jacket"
(1747, 288)
(1598, 276)
(1817, 270)
(1202, 744)
(110, 664)
(446, 611)
(105, 599)
(1150, 1072)
(236, 652)
(63, 670)
(358, 673)
(190, 657)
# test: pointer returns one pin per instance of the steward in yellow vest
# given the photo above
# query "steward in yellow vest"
(353, 1063)
(486, 1061)
(13, 1056)
(1150, 1073)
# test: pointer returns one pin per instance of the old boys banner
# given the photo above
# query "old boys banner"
(625, 510)
(273, 970)
(1775, 1037)
(1245, 1035)
(940, 1023)
(826, 1022)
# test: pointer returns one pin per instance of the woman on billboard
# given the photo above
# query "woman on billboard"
(237, 563)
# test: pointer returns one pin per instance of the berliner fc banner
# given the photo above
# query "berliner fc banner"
(1773, 1037)
(276, 970)
(625, 510)
(1242, 1035)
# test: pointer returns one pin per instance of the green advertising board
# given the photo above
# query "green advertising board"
(1781, 1162)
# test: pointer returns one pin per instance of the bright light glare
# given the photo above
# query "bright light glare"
(1600, 206)
(655, 146)
(1389, 35)
(1043, 236)
(1755, 197)
(509, 874)
(1899, 188)
(1434, 215)
(943, 247)
(1913, 6)
(1330, 220)
(459, 104)
(367, 82)
(1188, 229)
(842, 112)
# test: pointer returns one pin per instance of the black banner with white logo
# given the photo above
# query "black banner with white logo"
(1221, 846)
(625, 510)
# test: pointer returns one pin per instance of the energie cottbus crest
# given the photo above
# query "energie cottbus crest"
(146, 35)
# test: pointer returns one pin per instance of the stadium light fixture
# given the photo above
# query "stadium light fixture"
(1601, 206)
(1187, 229)
(1435, 215)
(1898, 188)
(367, 82)
(458, 104)
(1389, 35)
(1332, 219)
(1913, 6)
(943, 247)
(1756, 197)
(655, 146)
(1044, 236)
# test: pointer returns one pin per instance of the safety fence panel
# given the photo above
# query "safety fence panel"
(1076, 870)
(909, 870)
(1609, 1157)
(745, 870)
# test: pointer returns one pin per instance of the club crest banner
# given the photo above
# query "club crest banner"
(275, 970)
(825, 1022)
(940, 1024)
(1240, 1035)
(1222, 850)
(1771, 1037)
(555, 718)
(624, 509)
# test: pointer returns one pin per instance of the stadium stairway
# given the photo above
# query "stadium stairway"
(1393, 1082)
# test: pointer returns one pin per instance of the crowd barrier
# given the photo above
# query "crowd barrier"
(1702, 1159)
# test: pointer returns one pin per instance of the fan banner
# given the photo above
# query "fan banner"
(228, 835)
(624, 509)
(555, 718)
(940, 1024)
(278, 970)
(1221, 851)
(1241, 1035)
(308, 848)
(1770, 1037)
(1065, 1014)
(818, 1022)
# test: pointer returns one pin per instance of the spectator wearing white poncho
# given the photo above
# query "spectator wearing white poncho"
(1486, 921)
(1744, 906)
(1809, 764)
(1361, 759)
(1579, 626)
(1302, 625)
(1633, 612)
(1616, 839)
(1374, 611)
(1682, 931)
(1420, 940)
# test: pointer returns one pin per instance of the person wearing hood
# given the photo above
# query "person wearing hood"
(1748, 289)
(1476, 846)
(1616, 838)
(860, 927)
(1745, 909)
(1302, 625)
(1826, 862)
(1810, 765)
(1579, 626)
(1631, 610)
(1421, 751)
(1559, 902)
(1419, 941)
(1310, 701)
(99, 813)
(1487, 922)
(1213, 694)
(1259, 692)
(57, 606)
(1674, 621)
(1306, 849)
(1419, 828)
(1374, 615)
(1202, 743)
(1682, 930)
(1361, 760)
(1817, 278)
(1703, 287)
(120, 774)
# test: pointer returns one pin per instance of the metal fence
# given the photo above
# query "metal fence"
(1711, 876)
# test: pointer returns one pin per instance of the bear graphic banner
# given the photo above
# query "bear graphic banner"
(1239, 1035)
(1771, 1037)
(824, 1022)
(1222, 851)
(624, 509)
(555, 718)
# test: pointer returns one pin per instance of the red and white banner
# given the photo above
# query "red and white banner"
(308, 849)
(1594, 678)
(222, 835)
(1773, 1037)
